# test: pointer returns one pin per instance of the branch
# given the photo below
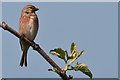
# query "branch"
(36, 47)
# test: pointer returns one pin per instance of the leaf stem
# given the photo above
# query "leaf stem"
(66, 68)
(65, 65)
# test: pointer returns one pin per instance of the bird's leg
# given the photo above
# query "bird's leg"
(35, 46)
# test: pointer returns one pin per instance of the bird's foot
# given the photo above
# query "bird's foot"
(22, 36)
(35, 46)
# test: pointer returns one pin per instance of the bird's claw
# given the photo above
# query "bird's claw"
(22, 36)
(35, 46)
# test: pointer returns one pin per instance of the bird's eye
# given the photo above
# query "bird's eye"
(27, 12)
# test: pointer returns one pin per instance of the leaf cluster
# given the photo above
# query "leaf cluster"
(74, 55)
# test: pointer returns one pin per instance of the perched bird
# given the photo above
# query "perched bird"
(28, 26)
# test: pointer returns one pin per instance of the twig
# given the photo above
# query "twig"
(38, 49)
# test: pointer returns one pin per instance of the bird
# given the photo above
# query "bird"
(28, 27)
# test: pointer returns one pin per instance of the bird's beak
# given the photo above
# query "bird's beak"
(36, 9)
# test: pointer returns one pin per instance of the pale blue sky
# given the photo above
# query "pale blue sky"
(92, 26)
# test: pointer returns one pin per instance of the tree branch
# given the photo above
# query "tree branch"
(36, 47)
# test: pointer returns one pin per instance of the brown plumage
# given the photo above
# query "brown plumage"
(28, 26)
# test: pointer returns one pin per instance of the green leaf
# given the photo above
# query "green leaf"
(58, 52)
(81, 53)
(75, 54)
(54, 53)
(50, 70)
(2, 79)
(73, 47)
(83, 68)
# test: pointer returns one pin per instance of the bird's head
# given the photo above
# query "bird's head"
(29, 9)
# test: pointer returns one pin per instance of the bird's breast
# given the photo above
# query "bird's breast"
(31, 28)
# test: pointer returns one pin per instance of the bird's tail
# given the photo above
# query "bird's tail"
(23, 59)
